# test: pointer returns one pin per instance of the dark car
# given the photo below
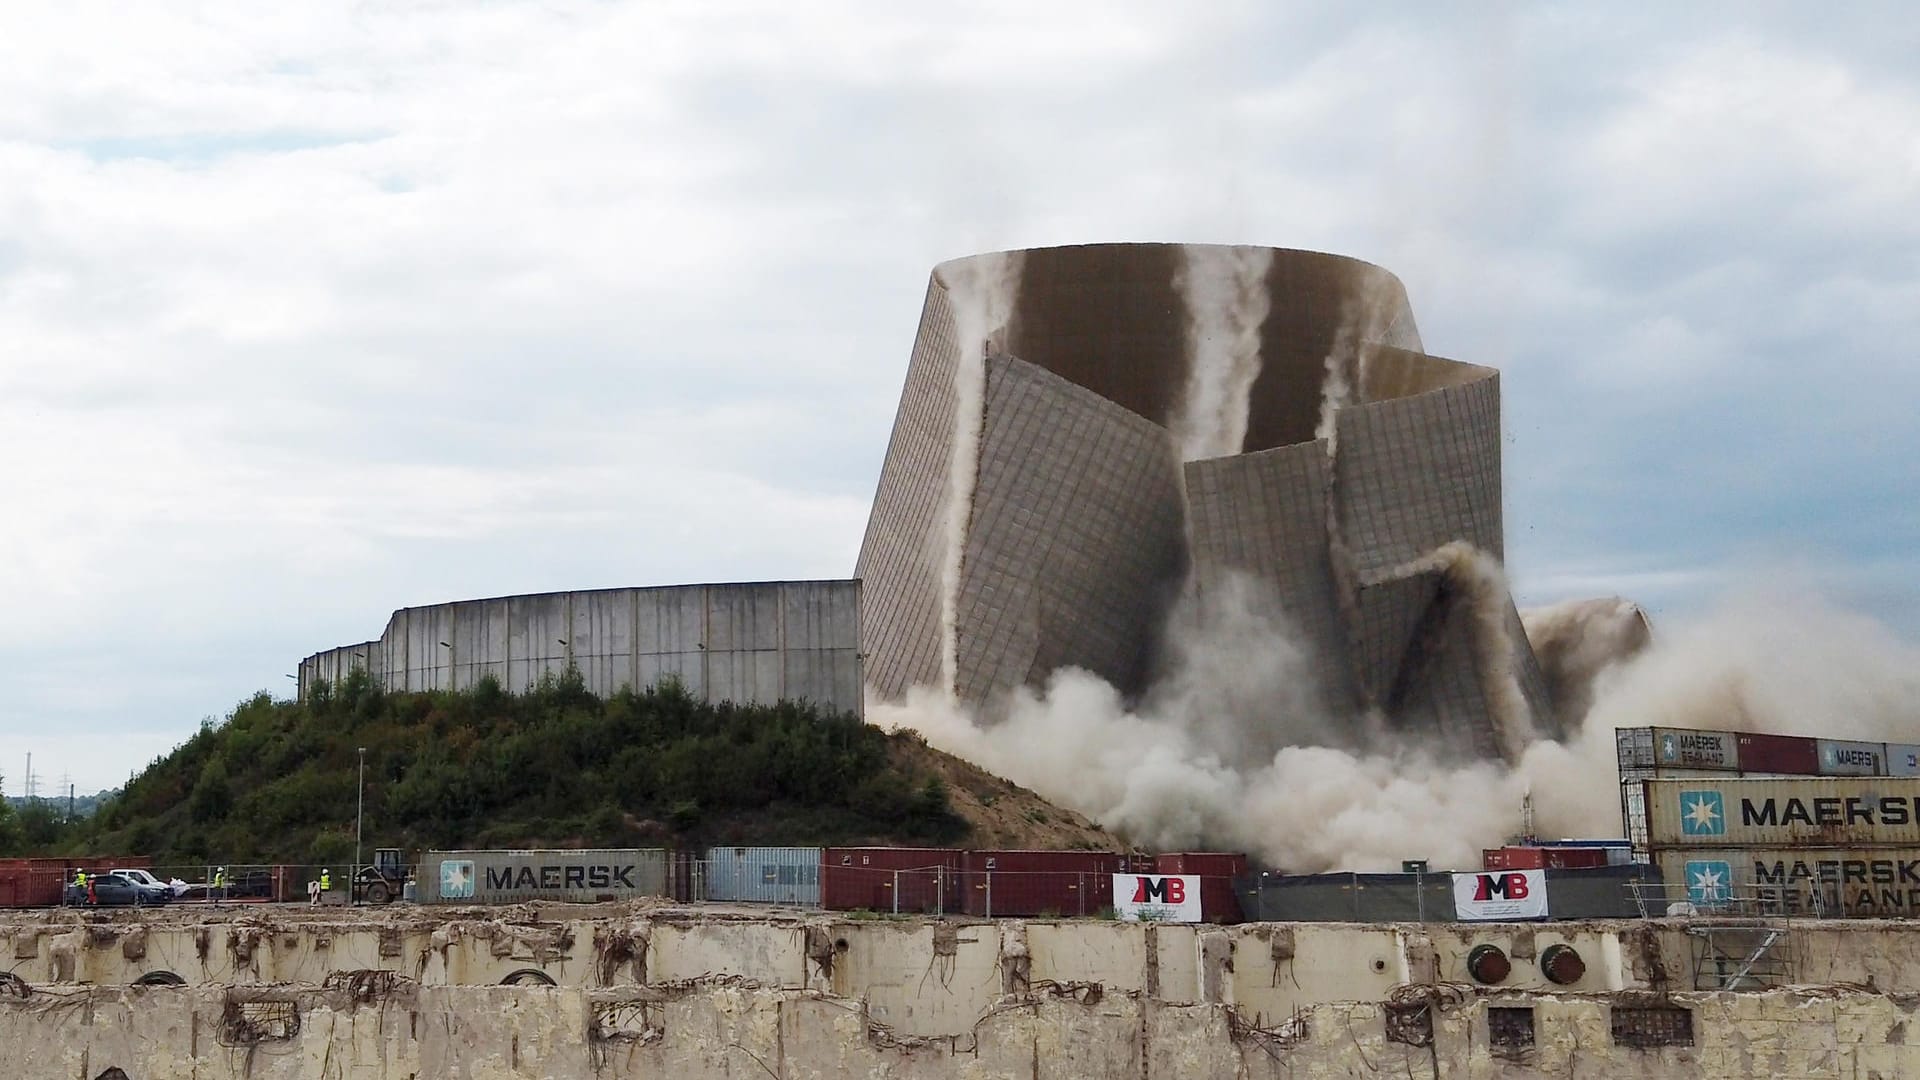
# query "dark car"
(116, 889)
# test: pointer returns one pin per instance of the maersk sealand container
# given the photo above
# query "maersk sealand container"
(585, 876)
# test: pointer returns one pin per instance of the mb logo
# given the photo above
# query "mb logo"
(1505, 886)
(1702, 813)
(1166, 890)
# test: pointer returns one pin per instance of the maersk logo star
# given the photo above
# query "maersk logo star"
(1702, 814)
(1709, 882)
(1669, 748)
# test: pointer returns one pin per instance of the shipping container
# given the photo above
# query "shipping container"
(1218, 871)
(1787, 755)
(583, 876)
(764, 875)
(1838, 812)
(891, 879)
(1032, 884)
(1542, 858)
(1845, 757)
(1678, 748)
(1868, 882)
(1903, 759)
(42, 882)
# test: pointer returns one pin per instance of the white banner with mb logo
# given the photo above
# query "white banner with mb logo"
(1156, 897)
(1500, 895)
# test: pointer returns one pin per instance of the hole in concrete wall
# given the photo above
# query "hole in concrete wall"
(1410, 1023)
(625, 1021)
(528, 977)
(246, 1023)
(159, 978)
(1379, 965)
(1510, 1027)
(113, 1072)
(1652, 1025)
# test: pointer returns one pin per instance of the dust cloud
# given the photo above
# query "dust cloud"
(1224, 291)
(1233, 750)
(981, 292)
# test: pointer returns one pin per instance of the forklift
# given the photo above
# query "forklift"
(384, 881)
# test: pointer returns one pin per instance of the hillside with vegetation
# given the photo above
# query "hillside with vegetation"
(277, 781)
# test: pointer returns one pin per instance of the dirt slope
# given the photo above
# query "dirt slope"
(1003, 814)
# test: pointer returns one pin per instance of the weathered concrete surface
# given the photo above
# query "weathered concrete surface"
(723, 1028)
(700, 992)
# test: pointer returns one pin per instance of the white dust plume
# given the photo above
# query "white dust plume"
(981, 292)
(1187, 767)
(1224, 290)
(1575, 641)
(1478, 583)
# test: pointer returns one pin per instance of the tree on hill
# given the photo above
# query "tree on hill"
(557, 766)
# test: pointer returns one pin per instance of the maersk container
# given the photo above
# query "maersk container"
(764, 875)
(891, 879)
(1903, 759)
(1038, 883)
(585, 876)
(1866, 882)
(1676, 748)
(1790, 755)
(1845, 757)
(1218, 871)
(1827, 812)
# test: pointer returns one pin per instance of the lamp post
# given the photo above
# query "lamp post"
(359, 817)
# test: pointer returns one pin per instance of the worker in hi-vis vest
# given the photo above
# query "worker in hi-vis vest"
(326, 881)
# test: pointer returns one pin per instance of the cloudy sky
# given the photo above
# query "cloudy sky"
(310, 313)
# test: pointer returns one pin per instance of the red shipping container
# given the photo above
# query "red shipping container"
(1789, 755)
(890, 879)
(1219, 903)
(1028, 884)
(1542, 858)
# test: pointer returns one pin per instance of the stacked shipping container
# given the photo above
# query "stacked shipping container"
(1660, 753)
(1830, 846)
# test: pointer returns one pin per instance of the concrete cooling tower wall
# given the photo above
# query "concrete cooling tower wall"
(1088, 433)
(750, 643)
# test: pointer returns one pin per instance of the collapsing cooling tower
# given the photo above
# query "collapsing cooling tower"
(1087, 431)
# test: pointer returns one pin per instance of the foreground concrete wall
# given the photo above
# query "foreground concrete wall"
(924, 977)
(367, 1026)
(749, 643)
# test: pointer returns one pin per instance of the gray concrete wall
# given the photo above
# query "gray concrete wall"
(752, 643)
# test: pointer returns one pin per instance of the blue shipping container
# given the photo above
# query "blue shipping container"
(764, 875)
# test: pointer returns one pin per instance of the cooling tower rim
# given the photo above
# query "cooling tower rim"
(1280, 254)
